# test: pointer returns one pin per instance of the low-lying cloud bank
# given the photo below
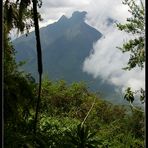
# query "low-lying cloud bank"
(105, 60)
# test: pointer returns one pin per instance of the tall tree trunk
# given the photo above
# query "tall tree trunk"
(39, 57)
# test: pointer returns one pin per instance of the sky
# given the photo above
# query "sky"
(105, 60)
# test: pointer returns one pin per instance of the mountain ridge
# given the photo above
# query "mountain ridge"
(65, 45)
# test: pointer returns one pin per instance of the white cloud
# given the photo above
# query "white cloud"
(64, 3)
(53, 9)
(106, 61)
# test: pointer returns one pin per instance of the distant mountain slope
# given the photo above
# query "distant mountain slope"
(65, 45)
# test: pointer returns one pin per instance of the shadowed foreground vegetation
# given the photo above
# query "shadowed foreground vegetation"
(62, 111)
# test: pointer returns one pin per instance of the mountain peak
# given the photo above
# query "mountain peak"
(77, 15)
(63, 18)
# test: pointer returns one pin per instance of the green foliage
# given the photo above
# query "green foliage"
(19, 15)
(18, 86)
(136, 26)
(55, 130)
(82, 137)
(129, 95)
(136, 124)
(60, 125)
(23, 140)
(118, 134)
(19, 93)
(60, 99)
(110, 123)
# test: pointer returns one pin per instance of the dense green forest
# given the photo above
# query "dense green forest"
(69, 115)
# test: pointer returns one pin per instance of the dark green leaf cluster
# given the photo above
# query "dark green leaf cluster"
(18, 15)
(130, 96)
(82, 137)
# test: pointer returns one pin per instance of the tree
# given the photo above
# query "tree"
(19, 15)
(13, 79)
(39, 57)
(16, 15)
(135, 26)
